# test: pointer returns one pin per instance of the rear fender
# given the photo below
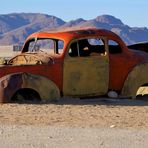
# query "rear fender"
(9, 84)
(135, 79)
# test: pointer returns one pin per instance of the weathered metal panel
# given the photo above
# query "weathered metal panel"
(45, 87)
(136, 78)
(86, 75)
(11, 83)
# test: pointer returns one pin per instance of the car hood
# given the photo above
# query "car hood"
(30, 59)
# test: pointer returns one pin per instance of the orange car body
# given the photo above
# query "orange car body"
(76, 75)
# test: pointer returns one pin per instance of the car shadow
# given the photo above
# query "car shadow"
(102, 101)
(93, 101)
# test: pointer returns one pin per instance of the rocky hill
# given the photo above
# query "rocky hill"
(15, 27)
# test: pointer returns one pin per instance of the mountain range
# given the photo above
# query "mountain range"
(15, 27)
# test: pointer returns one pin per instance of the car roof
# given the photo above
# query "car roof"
(74, 34)
(67, 35)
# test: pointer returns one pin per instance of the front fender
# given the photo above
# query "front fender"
(135, 79)
(9, 84)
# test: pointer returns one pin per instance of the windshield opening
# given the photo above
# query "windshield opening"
(47, 45)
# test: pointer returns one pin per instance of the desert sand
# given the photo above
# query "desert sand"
(74, 123)
(79, 113)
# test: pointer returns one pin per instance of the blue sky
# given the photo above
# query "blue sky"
(131, 12)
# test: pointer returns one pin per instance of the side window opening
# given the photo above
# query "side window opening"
(97, 46)
(114, 47)
(47, 45)
(87, 47)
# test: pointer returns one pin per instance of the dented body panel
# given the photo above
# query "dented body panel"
(73, 67)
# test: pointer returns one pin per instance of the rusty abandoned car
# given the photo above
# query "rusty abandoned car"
(88, 62)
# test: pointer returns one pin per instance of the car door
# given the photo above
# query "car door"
(86, 68)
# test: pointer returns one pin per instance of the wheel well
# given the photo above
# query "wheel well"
(145, 84)
(26, 94)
